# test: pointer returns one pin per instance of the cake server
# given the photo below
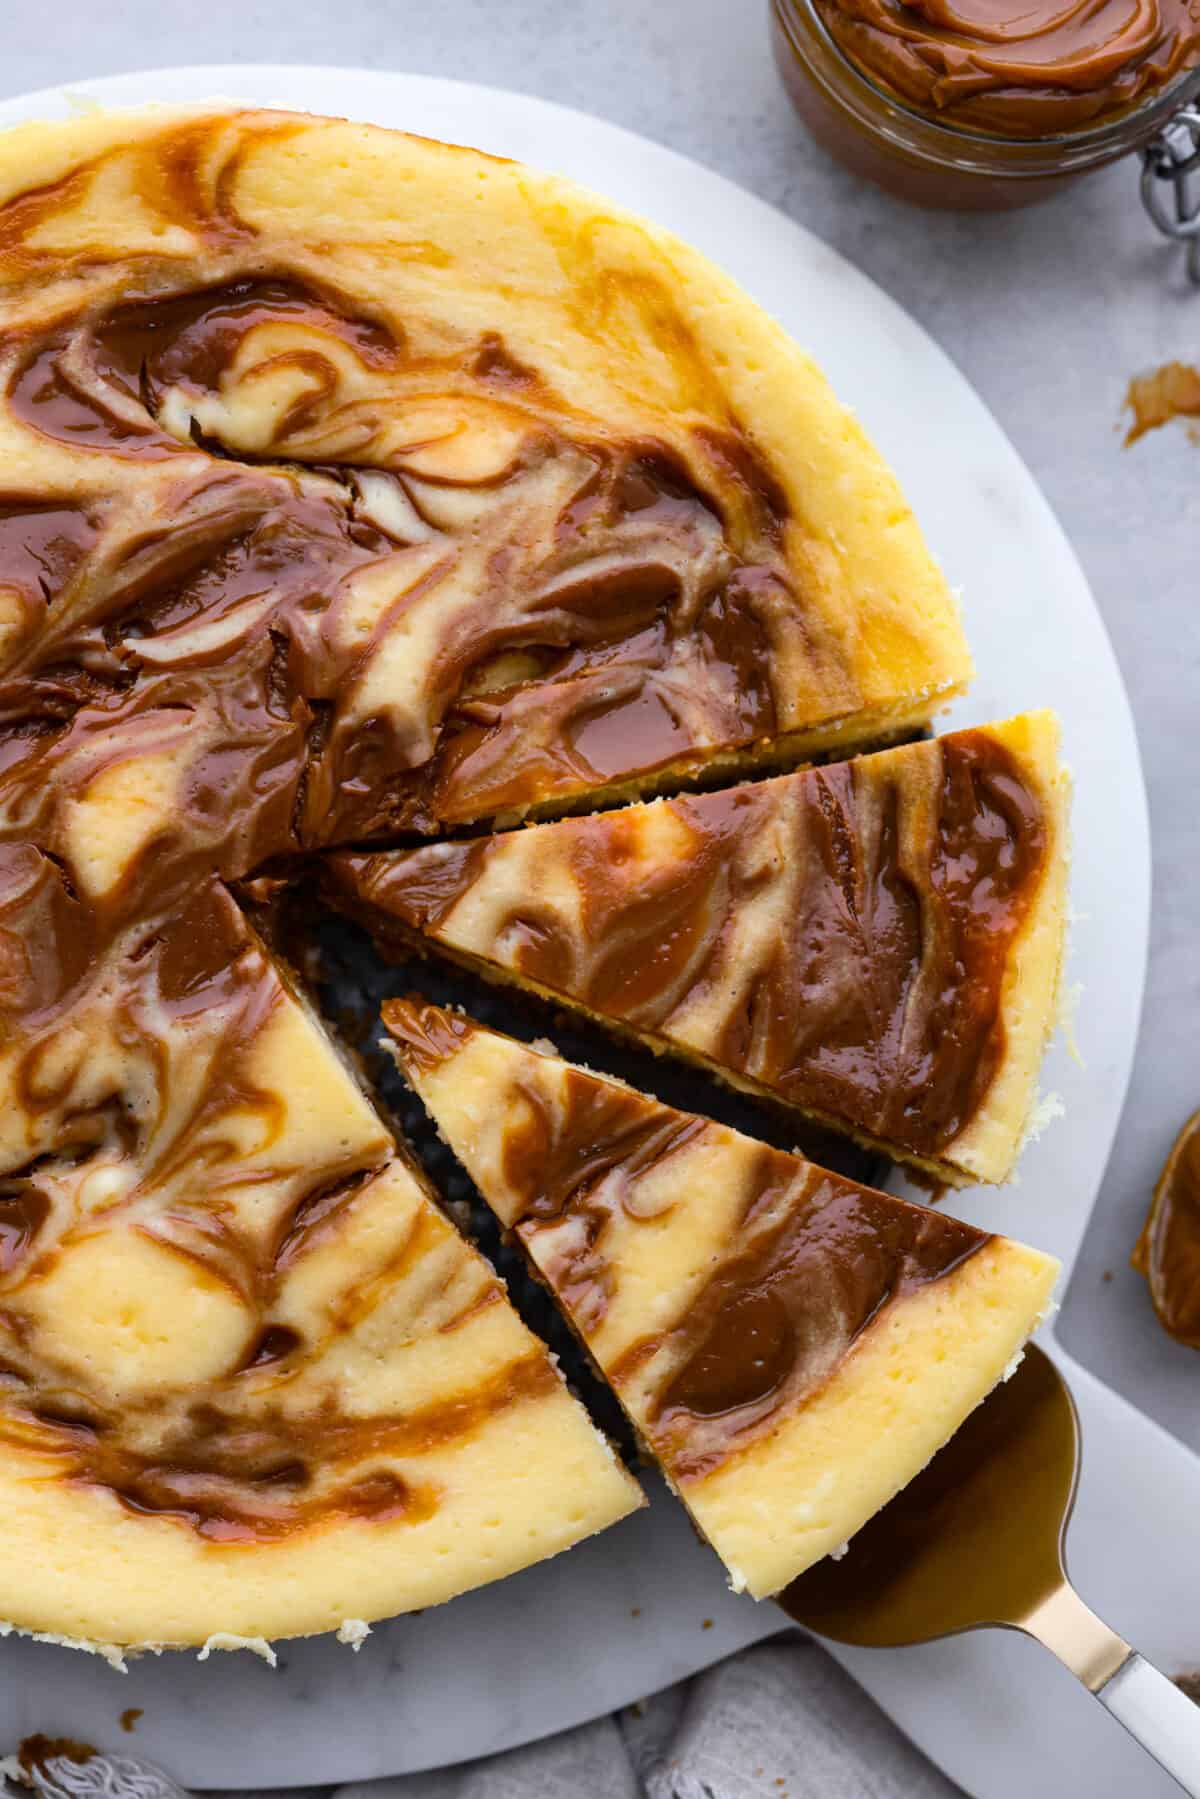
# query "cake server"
(978, 1539)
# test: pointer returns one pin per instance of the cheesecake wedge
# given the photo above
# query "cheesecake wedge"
(876, 942)
(791, 1347)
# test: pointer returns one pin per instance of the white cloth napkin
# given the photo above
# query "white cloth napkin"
(778, 1721)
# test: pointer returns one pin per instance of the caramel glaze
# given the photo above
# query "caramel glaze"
(1168, 1250)
(872, 993)
(1032, 72)
(815, 1259)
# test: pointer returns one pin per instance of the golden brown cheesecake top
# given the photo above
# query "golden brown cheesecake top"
(839, 935)
(806, 1260)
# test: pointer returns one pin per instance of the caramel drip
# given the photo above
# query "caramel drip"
(1154, 399)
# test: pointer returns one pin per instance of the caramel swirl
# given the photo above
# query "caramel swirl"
(355, 486)
(446, 606)
(785, 1265)
(288, 561)
(987, 65)
(151, 1145)
(838, 938)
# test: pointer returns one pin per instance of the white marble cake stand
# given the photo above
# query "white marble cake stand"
(644, 1604)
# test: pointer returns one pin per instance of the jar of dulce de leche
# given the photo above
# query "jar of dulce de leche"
(994, 103)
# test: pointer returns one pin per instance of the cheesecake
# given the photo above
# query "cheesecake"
(358, 489)
(874, 942)
(353, 484)
(790, 1347)
(430, 488)
(253, 1384)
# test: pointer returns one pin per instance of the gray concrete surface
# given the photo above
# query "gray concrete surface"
(1049, 312)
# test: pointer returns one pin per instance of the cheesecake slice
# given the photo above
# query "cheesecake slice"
(791, 1347)
(380, 484)
(253, 1384)
(876, 942)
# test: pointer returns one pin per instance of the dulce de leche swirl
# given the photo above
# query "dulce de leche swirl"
(1018, 70)
(248, 1371)
(844, 939)
(765, 1323)
(312, 534)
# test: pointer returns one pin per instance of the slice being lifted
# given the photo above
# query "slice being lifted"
(252, 1383)
(876, 942)
(791, 1347)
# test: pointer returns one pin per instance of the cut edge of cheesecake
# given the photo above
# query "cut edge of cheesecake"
(1030, 996)
(870, 730)
(972, 1325)
(783, 1501)
(987, 1148)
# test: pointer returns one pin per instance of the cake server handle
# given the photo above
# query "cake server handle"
(1152, 1708)
(1164, 1720)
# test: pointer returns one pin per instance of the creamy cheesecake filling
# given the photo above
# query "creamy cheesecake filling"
(809, 1260)
(838, 938)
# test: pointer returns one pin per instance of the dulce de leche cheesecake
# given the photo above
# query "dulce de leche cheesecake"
(875, 942)
(252, 1382)
(790, 1346)
(374, 483)
(351, 482)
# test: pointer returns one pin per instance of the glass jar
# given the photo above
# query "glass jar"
(923, 160)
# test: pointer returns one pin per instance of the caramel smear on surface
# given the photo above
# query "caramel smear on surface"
(1168, 1250)
(36, 1752)
(1166, 393)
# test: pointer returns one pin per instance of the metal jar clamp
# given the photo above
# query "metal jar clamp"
(1170, 195)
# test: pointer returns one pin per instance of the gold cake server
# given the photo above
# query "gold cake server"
(978, 1539)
